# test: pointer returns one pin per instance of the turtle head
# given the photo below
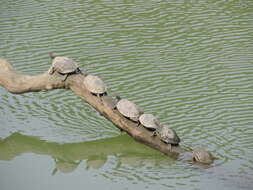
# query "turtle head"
(85, 74)
(158, 124)
(118, 98)
(51, 55)
(141, 111)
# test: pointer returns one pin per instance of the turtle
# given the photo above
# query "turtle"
(149, 121)
(167, 135)
(202, 155)
(64, 66)
(129, 109)
(95, 85)
(110, 102)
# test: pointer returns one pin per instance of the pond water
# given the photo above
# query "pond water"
(188, 62)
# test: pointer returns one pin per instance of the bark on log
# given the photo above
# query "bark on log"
(18, 83)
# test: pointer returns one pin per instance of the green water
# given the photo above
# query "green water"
(188, 62)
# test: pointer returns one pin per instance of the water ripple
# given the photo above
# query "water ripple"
(189, 64)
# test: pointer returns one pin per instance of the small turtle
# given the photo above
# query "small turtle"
(202, 155)
(95, 85)
(64, 66)
(129, 110)
(167, 135)
(149, 121)
(109, 101)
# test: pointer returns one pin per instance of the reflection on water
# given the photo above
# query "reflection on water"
(65, 166)
(115, 159)
(189, 63)
(71, 154)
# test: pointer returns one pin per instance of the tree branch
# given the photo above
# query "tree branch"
(18, 83)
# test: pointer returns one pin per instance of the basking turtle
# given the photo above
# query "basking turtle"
(95, 85)
(109, 101)
(167, 135)
(149, 121)
(64, 66)
(202, 155)
(129, 109)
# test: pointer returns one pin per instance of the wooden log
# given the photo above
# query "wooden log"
(19, 83)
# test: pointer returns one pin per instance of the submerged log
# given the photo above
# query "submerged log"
(18, 83)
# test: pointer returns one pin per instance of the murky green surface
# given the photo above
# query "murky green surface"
(188, 62)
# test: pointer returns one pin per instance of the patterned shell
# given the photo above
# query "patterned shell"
(201, 155)
(64, 65)
(168, 135)
(94, 84)
(149, 121)
(128, 109)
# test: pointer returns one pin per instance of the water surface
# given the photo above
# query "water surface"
(189, 63)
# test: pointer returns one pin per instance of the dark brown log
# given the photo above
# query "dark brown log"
(18, 83)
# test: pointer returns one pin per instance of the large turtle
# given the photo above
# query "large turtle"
(129, 110)
(167, 135)
(149, 121)
(202, 155)
(64, 66)
(95, 85)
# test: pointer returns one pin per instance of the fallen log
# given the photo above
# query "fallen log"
(18, 83)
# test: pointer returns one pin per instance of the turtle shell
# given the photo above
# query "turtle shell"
(201, 155)
(149, 121)
(168, 135)
(94, 84)
(64, 65)
(128, 109)
(109, 102)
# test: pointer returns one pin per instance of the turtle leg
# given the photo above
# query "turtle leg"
(138, 123)
(99, 97)
(154, 134)
(78, 71)
(65, 78)
(51, 70)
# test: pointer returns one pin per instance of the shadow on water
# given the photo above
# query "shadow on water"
(69, 155)
(187, 62)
